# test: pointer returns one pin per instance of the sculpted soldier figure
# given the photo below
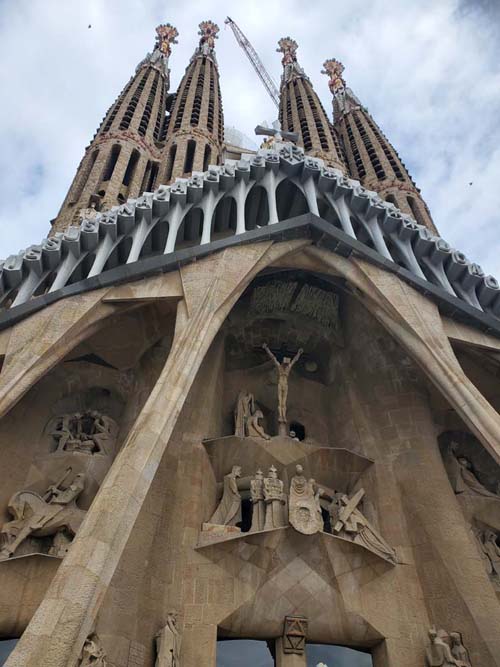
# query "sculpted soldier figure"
(275, 501)
(283, 373)
(257, 496)
(228, 512)
(458, 650)
(41, 516)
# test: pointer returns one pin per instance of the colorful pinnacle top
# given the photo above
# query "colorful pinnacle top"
(208, 31)
(334, 69)
(166, 35)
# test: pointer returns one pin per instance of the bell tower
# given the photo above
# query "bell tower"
(123, 158)
(196, 124)
(301, 110)
(370, 156)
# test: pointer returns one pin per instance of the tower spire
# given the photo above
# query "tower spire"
(370, 156)
(196, 124)
(301, 110)
(123, 158)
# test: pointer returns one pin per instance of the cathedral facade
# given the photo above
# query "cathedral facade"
(247, 396)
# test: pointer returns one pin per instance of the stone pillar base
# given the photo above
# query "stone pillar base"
(283, 429)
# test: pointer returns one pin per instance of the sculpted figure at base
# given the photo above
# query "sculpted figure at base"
(92, 654)
(304, 509)
(348, 521)
(463, 477)
(446, 649)
(49, 515)
(275, 501)
(247, 417)
(283, 372)
(257, 497)
(458, 650)
(228, 512)
(168, 644)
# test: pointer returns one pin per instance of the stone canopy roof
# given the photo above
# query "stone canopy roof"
(277, 193)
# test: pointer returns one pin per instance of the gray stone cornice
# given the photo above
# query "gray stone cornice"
(113, 246)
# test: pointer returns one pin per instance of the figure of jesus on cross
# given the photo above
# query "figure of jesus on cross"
(283, 372)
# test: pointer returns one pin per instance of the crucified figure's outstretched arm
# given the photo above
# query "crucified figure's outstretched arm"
(296, 357)
(270, 355)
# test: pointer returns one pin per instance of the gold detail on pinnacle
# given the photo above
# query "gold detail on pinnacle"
(166, 36)
(288, 47)
(333, 69)
(208, 33)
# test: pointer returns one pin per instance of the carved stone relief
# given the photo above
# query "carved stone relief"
(294, 634)
(88, 432)
(283, 370)
(54, 515)
(348, 521)
(275, 501)
(93, 654)
(463, 477)
(446, 649)
(304, 507)
(168, 643)
(228, 511)
(488, 541)
(247, 417)
(258, 505)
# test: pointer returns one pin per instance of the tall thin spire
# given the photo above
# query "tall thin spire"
(370, 156)
(196, 124)
(301, 110)
(124, 156)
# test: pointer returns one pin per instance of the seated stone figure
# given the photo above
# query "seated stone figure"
(439, 654)
(462, 475)
(42, 516)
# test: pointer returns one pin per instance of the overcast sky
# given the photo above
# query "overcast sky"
(426, 69)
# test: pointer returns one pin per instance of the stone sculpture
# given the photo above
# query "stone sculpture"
(275, 501)
(487, 540)
(255, 430)
(247, 417)
(88, 432)
(168, 643)
(245, 405)
(228, 512)
(348, 521)
(294, 635)
(463, 477)
(53, 514)
(92, 654)
(258, 505)
(446, 649)
(304, 509)
(458, 650)
(283, 370)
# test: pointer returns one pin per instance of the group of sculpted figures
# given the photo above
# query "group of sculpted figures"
(446, 649)
(55, 514)
(167, 647)
(272, 508)
(247, 415)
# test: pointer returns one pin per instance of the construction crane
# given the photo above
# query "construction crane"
(252, 56)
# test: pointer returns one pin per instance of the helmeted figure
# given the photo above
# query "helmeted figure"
(304, 511)
(168, 643)
(275, 501)
(257, 497)
(438, 654)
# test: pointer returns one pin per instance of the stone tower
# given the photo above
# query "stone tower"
(259, 403)
(371, 157)
(301, 110)
(195, 129)
(123, 158)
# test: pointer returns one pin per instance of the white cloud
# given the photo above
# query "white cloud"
(427, 71)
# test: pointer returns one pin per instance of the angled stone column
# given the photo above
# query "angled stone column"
(68, 612)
